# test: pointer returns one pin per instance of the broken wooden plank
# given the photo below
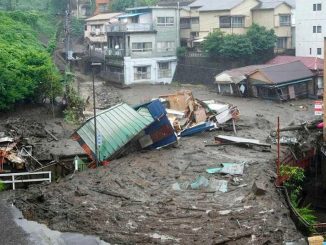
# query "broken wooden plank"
(49, 133)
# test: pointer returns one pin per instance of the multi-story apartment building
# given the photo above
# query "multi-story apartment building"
(204, 16)
(142, 46)
(310, 28)
(95, 30)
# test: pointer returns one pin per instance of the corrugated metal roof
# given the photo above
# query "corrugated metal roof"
(129, 15)
(313, 63)
(117, 126)
(104, 16)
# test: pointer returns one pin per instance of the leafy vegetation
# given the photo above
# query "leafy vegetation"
(121, 5)
(293, 184)
(181, 52)
(2, 186)
(257, 44)
(26, 68)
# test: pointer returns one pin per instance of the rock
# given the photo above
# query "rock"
(259, 188)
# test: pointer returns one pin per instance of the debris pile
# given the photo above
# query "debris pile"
(189, 115)
(122, 129)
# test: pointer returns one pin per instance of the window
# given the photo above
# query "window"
(317, 7)
(165, 21)
(195, 20)
(142, 47)
(166, 46)
(142, 72)
(310, 51)
(194, 34)
(103, 7)
(316, 29)
(232, 21)
(285, 20)
(318, 51)
(237, 22)
(282, 42)
(185, 23)
(225, 21)
(164, 70)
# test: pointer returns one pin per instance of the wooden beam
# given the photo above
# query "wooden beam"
(324, 94)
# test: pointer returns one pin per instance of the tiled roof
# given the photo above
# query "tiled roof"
(313, 63)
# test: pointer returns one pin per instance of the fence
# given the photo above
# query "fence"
(12, 180)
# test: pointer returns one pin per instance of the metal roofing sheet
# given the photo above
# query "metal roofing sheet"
(116, 126)
(129, 15)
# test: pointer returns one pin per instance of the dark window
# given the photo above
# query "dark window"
(318, 51)
(282, 42)
(310, 51)
(317, 29)
(317, 7)
(285, 20)
(225, 21)
(195, 20)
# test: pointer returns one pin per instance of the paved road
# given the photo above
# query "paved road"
(10, 232)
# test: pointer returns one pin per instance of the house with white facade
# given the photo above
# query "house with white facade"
(142, 46)
(310, 28)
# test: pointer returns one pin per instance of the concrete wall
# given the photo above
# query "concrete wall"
(306, 18)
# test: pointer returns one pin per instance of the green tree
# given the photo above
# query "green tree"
(263, 42)
(236, 47)
(26, 68)
(213, 42)
(121, 5)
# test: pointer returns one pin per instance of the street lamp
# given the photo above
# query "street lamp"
(94, 108)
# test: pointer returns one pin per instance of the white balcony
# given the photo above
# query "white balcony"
(133, 27)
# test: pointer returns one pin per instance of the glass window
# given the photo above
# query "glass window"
(225, 21)
(237, 21)
(317, 29)
(285, 20)
(319, 51)
(165, 21)
(142, 47)
(166, 46)
(282, 42)
(142, 72)
(317, 7)
(164, 70)
(195, 20)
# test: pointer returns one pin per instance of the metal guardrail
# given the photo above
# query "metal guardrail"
(13, 179)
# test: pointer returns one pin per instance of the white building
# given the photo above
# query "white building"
(142, 46)
(310, 27)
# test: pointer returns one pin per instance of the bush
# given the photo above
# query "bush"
(181, 52)
(2, 186)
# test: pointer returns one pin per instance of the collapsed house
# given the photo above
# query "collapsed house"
(314, 64)
(282, 82)
(234, 81)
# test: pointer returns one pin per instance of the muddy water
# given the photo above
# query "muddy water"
(41, 235)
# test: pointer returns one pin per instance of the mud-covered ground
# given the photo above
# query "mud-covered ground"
(146, 197)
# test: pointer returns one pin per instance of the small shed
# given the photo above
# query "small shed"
(116, 127)
(282, 82)
(234, 81)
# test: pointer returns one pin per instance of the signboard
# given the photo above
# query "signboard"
(319, 108)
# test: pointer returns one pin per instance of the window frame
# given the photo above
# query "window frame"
(321, 51)
(166, 22)
(285, 23)
(240, 24)
(142, 47)
(164, 72)
(139, 74)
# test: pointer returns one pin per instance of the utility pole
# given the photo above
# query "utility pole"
(324, 93)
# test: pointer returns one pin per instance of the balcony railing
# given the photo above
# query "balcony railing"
(164, 73)
(115, 52)
(185, 25)
(133, 27)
